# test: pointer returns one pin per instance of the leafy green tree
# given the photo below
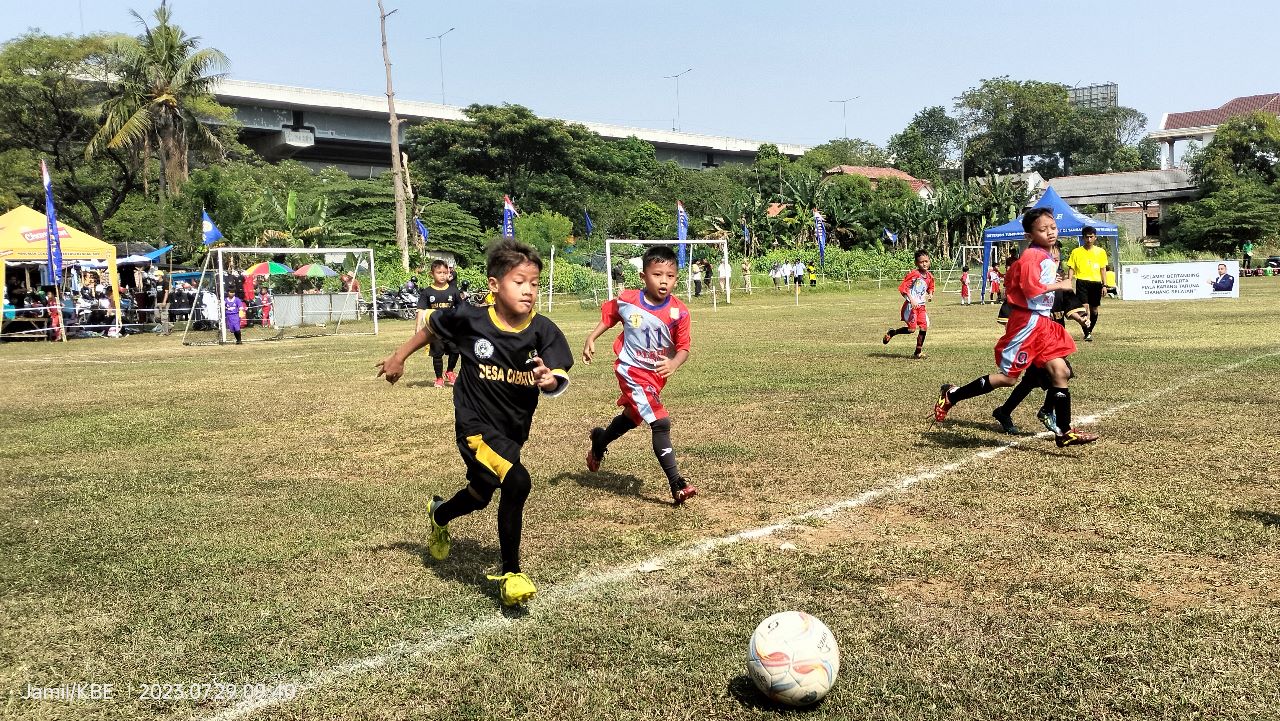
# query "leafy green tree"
(649, 221)
(1226, 218)
(844, 151)
(927, 144)
(1014, 119)
(1244, 149)
(161, 98)
(47, 111)
(453, 229)
(544, 230)
(543, 164)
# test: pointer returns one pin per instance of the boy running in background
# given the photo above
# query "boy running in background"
(1031, 338)
(916, 289)
(993, 282)
(440, 295)
(654, 343)
(964, 285)
(510, 357)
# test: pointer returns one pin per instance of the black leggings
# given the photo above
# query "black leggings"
(515, 491)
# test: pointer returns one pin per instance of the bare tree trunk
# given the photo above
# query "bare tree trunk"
(397, 172)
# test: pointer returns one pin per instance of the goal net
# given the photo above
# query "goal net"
(283, 293)
(714, 279)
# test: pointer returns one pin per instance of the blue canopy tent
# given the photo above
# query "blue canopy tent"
(1070, 223)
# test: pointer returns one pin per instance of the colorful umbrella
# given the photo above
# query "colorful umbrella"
(315, 270)
(269, 268)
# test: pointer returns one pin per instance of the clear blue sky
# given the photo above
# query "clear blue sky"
(761, 70)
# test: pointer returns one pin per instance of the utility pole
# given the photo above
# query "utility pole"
(397, 171)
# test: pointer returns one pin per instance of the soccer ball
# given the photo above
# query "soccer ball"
(793, 658)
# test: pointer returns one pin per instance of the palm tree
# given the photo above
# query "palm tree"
(163, 97)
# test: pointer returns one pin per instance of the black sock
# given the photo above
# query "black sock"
(972, 389)
(437, 362)
(1093, 320)
(515, 491)
(617, 428)
(1019, 393)
(665, 452)
(237, 334)
(462, 503)
(453, 361)
(1062, 407)
(919, 342)
(898, 331)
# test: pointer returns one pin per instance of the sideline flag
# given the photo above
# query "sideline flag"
(210, 231)
(820, 230)
(52, 241)
(746, 238)
(590, 226)
(422, 229)
(509, 214)
(682, 233)
(891, 237)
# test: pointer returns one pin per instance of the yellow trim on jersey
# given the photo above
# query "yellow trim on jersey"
(493, 316)
(488, 457)
(562, 386)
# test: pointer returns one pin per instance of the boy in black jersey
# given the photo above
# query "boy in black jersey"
(510, 357)
(441, 294)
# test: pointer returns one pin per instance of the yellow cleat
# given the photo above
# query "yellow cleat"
(439, 542)
(515, 589)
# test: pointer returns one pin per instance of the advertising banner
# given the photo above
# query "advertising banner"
(1181, 281)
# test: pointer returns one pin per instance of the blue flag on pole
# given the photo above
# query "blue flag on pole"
(746, 238)
(682, 233)
(210, 231)
(590, 226)
(422, 229)
(891, 237)
(509, 214)
(52, 241)
(820, 231)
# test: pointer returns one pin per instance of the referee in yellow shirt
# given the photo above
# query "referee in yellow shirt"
(1086, 265)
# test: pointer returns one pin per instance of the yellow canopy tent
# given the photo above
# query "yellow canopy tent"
(22, 239)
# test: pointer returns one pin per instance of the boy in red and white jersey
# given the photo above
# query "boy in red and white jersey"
(916, 290)
(653, 344)
(1030, 337)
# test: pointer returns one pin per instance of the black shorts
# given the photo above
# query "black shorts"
(1090, 292)
(440, 347)
(488, 455)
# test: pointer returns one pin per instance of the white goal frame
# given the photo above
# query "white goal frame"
(216, 257)
(675, 244)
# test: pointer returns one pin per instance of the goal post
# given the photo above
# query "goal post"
(688, 278)
(279, 303)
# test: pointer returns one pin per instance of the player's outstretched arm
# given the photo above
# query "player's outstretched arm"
(392, 367)
(589, 348)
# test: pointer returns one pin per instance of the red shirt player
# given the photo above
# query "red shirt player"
(916, 289)
(1030, 337)
(654, 343)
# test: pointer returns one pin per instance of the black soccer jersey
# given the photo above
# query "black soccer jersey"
(495, 389)
(431, 298)
(1064, 301)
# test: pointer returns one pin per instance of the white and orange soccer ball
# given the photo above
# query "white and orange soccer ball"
(793, 658)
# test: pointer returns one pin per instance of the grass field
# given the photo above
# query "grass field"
(255, 514)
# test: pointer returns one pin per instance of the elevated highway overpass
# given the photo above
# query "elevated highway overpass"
(349, 130)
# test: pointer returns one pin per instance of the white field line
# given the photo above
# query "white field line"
(590, 584)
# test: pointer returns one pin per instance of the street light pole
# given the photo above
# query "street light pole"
(676, 124)
(440, 42)
(844, 107)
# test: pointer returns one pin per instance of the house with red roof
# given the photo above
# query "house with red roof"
(1202, 125)
(922, 188)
